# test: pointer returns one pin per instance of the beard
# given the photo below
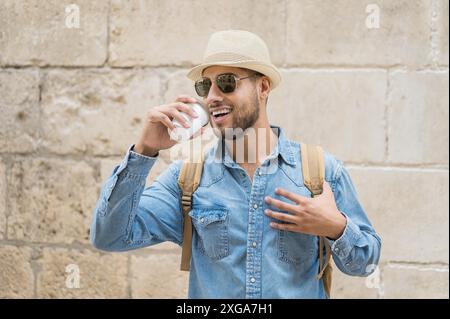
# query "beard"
(243, 117)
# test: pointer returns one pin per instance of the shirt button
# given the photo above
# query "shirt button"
(336, 249)
(259, 173)
(254, 244)
(252, 279)
(255, 206)
(202, 220)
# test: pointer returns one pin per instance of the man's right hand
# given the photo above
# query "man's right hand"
(154, 136)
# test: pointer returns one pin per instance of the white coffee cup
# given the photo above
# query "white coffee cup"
(181, 133)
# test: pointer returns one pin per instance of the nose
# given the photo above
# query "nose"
(214, 95)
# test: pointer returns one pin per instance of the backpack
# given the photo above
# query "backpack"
(313, 169)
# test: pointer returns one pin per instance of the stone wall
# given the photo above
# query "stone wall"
(73, 98)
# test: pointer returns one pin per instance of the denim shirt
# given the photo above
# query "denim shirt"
(235, 252)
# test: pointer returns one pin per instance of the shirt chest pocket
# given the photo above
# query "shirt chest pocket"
(211, 226)
(297, 248)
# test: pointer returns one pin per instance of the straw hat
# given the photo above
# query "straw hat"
(237, 48)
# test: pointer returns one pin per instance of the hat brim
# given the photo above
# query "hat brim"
(268, 70)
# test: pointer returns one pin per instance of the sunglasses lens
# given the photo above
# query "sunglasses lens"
(226, 83)
(202, 87)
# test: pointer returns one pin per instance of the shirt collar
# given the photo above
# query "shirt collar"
(283, 148)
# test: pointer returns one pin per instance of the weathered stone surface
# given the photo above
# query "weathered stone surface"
(442, 31)
(41, 33)
(19, 110)
(409, 209)
(150, 280)
(349, 287)
(418, 118)
(176, 83)
(107, 165)
(375, 98)
(96, 111)
(100, 275)
(341, 110)
(167, 246)
(51, 200)
(415, 282)
(171, 32)
(2, 199)
(16, 275)
(335, 32)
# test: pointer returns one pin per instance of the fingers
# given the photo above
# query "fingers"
(177, 110)
(186, 109)
(185, 99)
(291, 196)
(163, 118)
(281, 205)
(171, 112)
(282, 216)
(286, 227)
(175, 114)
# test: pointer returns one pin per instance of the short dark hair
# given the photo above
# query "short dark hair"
(256, 73)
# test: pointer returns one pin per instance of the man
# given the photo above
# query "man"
(255, 225)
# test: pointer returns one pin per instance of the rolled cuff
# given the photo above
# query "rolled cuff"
(344, 244)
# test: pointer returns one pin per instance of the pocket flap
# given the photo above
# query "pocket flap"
(205, 217)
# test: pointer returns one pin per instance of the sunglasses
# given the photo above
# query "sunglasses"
(225, 82)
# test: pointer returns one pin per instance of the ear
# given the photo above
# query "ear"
(264, 88)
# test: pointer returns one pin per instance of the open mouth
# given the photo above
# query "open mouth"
(221, 114)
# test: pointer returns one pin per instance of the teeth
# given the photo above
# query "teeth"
(223, 111)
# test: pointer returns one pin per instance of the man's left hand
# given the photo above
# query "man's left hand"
(315, 216)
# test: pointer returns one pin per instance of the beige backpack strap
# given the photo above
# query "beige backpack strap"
(313, 169)
(188, 181)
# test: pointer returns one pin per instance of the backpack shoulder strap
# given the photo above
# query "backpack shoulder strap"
(188, 181)
(313, 169)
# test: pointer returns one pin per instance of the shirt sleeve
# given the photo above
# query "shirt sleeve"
(357, 251)
(127, 216)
